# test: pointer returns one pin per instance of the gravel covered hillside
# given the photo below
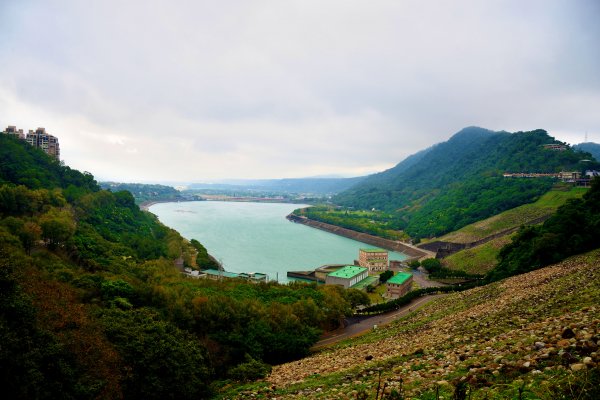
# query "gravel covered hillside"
(536, 333)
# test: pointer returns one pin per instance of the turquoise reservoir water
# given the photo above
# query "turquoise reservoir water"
(256, 237)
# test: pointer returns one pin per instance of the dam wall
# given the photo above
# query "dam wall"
(392, 245)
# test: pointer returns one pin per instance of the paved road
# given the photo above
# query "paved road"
(360, 325)
(423, 281)
(420, 277)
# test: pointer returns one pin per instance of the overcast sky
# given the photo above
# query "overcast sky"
(197, 90)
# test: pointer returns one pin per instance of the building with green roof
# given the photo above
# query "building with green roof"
(215, 274)
(398, 285)
(347, 276)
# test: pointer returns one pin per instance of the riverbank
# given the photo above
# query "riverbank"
(256, 237)
(411, 251)
(145, 206)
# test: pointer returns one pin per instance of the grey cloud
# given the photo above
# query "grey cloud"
(250, 89)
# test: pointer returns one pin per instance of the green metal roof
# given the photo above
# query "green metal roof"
(374, 250)
(349, 271)
(365, 282)
(224, 274)
(399, 278)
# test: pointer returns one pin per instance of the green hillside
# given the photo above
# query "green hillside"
(477, 260)
(532, 336)
(92, 305)
(31, 167)
(460, 181)
(483, 258)
(143, 192)
(546, 205)
(573, 229)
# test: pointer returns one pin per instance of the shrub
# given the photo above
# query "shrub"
(249, 370)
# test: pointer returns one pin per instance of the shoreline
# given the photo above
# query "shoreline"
(411, 251)
(144, 206)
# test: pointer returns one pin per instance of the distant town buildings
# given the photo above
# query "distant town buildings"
(219, 275)
(529, 175)
(347, 276)
(38, 138)
(574, 177)
(555, 146)
(12, 130)
(569, 176)
(375, 260)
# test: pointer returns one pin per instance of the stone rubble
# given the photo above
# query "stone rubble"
(519, 327)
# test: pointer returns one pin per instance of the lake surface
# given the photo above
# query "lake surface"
(256, 237)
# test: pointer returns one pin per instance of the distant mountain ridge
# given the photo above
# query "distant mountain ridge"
(460, 181)
(590, 147)
(320, 186)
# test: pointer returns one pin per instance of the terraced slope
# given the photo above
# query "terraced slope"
(536, 333)
(513, 218)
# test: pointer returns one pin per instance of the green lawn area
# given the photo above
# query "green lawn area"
(478, 260)
(366, 282)
(376, 223)
(515, 217)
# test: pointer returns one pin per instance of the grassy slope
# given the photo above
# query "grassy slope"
(515, 217)
(477, 260)
(483, 258)
(486, 336)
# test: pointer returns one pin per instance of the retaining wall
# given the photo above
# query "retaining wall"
(391, 245)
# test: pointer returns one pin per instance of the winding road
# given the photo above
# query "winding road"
(359, 325)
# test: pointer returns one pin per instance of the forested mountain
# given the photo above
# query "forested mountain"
(461, 181)
(590, 147)
(21, 164)
(92, 305)
(143, 192)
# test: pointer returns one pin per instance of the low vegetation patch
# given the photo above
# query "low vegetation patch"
(574, 228)
(477, 260)
(522, 215)
(375, 223)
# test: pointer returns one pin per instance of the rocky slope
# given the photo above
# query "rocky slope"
(530, 333)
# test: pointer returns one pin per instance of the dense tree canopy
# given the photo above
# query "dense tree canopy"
(144, 192)
(22, 164)
(575, 228)
(461, 181)
(92, 305)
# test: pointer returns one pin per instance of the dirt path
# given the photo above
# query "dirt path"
(361, 325)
